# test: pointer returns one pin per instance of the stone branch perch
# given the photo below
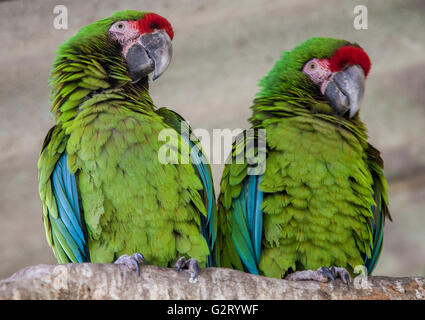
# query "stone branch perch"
(108, 281)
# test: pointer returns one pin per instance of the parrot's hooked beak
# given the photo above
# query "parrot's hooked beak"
(345, 90)
(152, 52)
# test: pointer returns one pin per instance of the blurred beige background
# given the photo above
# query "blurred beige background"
(221, 49)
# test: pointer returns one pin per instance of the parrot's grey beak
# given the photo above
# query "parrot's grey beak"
(152, 52)
(345, 91)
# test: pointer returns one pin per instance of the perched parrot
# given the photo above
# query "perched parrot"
(313, 207)
(106, 196)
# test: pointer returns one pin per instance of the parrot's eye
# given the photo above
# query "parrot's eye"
(119, 26)
(317, 70)
(312, 66)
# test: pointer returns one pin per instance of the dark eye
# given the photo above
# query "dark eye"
(312, 66)
(120, 26)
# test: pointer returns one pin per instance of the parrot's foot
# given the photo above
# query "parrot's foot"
(322, 274)
(191, 265)
(132, 262)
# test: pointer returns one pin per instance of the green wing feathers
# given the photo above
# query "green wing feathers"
(322, 190)
(130, 201)
(203, 171)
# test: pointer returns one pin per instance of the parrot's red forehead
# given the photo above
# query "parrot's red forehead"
(151, 22)
(349, 55)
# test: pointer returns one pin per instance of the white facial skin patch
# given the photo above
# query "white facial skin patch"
(318, 72)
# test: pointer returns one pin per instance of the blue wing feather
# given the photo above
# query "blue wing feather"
(240, 233)
(66, 240)
(377, 224)
(75, 204)
(247, 223)
(66, 212)
(258, 226)
(252, 184)
(69, 223)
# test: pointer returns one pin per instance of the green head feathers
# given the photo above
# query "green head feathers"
(115, 53)
(287, 72)
(322, 76)
(97, 32)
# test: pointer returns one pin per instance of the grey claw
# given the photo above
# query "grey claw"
(136, 265)
(193, 269)
(343, 274)
(191, 265)
(139, 257)
(348, 286)
(346, 279)
(328, 273)
(132, 262)
(322, 274)
(180, 264)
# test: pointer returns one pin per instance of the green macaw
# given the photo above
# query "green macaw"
(313, 203)
(106, 195)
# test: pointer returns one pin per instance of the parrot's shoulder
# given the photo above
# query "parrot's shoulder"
(177, 122)
(53, 146)
(169, 116)
(374, 156)
(380, 185)
(55, 140)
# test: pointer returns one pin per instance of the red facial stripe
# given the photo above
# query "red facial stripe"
(349, 55)
(152, 22)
